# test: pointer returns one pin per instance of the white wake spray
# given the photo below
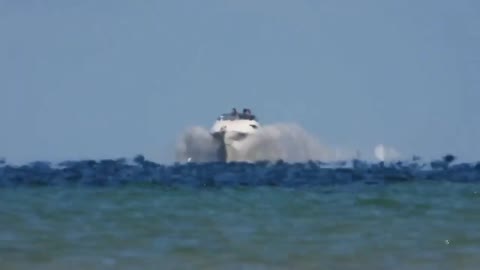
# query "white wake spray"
(285, 141)
(196, 143)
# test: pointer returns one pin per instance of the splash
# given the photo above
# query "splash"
(385, 153)
(196, 144)
(285, 141)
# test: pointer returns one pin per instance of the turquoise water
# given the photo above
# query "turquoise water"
(402, 226)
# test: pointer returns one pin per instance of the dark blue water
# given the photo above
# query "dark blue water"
(142, 215)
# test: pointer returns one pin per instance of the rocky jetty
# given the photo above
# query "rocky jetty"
(218, 174)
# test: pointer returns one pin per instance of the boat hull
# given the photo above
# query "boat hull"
(230, 135)
(231, 146)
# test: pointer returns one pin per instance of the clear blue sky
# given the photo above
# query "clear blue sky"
(102, 79)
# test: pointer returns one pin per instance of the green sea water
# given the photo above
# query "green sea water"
(403, 226)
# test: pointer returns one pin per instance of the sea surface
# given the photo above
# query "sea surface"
(405, 225)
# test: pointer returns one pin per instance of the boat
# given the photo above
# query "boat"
(230, 130)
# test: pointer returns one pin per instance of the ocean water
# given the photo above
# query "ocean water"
(404, 225)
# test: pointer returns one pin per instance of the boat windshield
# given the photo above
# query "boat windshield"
(229, 116)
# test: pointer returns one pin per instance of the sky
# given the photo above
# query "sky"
(109, 79)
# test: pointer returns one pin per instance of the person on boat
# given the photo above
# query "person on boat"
(234, 113)
(244, 114)
(248, 114)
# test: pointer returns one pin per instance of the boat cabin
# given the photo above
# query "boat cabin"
(234, 115)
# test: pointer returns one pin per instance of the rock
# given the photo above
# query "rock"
(117, 172)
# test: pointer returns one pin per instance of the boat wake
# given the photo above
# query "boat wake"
(196, 143)
(286, 141)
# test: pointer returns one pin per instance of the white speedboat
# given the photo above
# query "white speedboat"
(229, 130)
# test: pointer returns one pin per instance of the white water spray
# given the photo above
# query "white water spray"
(285, 141)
